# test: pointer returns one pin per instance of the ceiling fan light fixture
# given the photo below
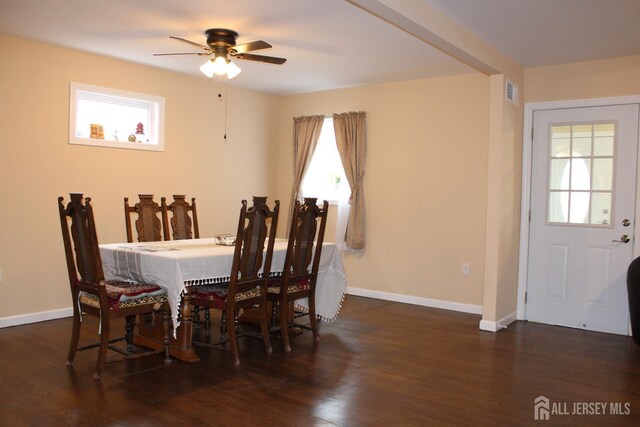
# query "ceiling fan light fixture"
(220, 66)
(221, 43)
(207, 68)
(232, 70)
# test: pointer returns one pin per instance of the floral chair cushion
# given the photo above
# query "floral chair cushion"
(215, 296)
(126, 294)
(300, 285)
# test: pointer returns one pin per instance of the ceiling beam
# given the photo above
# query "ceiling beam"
(420, 20)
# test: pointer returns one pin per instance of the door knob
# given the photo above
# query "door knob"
(626, 222)
(623, 239)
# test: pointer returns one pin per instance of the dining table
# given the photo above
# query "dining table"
(177, 265)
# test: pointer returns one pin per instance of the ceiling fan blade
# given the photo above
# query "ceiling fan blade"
(247, 47)
(190, 42)
(261, 58)
(182, 53)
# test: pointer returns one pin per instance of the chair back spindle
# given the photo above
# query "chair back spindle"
(82, 240)
(147, 225)
(249, 256)
(304, 235)
(183, 226)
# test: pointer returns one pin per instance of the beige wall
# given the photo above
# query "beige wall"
(427, 150)
(38, 164)
(580, 80)
(425, 183)
(503, 212)
(504, 140)
(429, 168)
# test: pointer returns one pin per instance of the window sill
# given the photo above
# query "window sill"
(116, 144)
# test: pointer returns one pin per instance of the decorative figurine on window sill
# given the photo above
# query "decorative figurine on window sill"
(140, 133)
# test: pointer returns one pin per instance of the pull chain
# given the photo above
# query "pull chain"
(226, 105)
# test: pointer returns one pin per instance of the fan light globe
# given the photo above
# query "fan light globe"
(220, 67)
(207, 68)
(232, 70)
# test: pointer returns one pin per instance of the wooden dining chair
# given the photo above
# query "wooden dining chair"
(300, 270)
(247, 285)
(92, 295)
(148, 224)
(183, 226)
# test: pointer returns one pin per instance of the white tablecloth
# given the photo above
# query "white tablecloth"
(176, 264)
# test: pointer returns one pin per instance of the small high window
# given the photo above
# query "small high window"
(107, 117)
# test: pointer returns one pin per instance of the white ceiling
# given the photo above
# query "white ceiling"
(547, 32)
(329, 44)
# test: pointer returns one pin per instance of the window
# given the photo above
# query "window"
(106, 117)
(325, 178)
(581, 174)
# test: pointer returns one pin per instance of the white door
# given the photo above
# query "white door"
(582, 207)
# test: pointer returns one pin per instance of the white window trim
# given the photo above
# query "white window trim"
(156, 124)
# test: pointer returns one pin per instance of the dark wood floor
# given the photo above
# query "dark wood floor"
(379, 364)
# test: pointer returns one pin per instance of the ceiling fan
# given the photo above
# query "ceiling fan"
(221, 43)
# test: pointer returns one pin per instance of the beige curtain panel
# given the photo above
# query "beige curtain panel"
(306, 131)
(351, 139)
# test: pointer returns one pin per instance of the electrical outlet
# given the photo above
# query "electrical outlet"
(465, 269)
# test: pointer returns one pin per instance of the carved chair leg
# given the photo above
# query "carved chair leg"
(284, 330)
(231, 331)
(105, 326)
(195, 316)
(207, 322)
(264, 324)
(130, 322)
(313, 318)
(223, 326)
(75, 338)
(166, 322)
(274, 314)
(147, 320)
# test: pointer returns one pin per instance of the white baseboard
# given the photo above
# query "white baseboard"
(487, 325)
(408, 299)
(24, 319)
(42, 316)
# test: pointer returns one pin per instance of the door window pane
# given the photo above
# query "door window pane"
(602, 174)
(558, 206)
(581, 147)
(601, 208)
(560, 141)
(581, 173)
(559, 174)
(579, 205)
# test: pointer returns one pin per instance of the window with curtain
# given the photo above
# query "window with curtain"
(327, 153)
(325, 177)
